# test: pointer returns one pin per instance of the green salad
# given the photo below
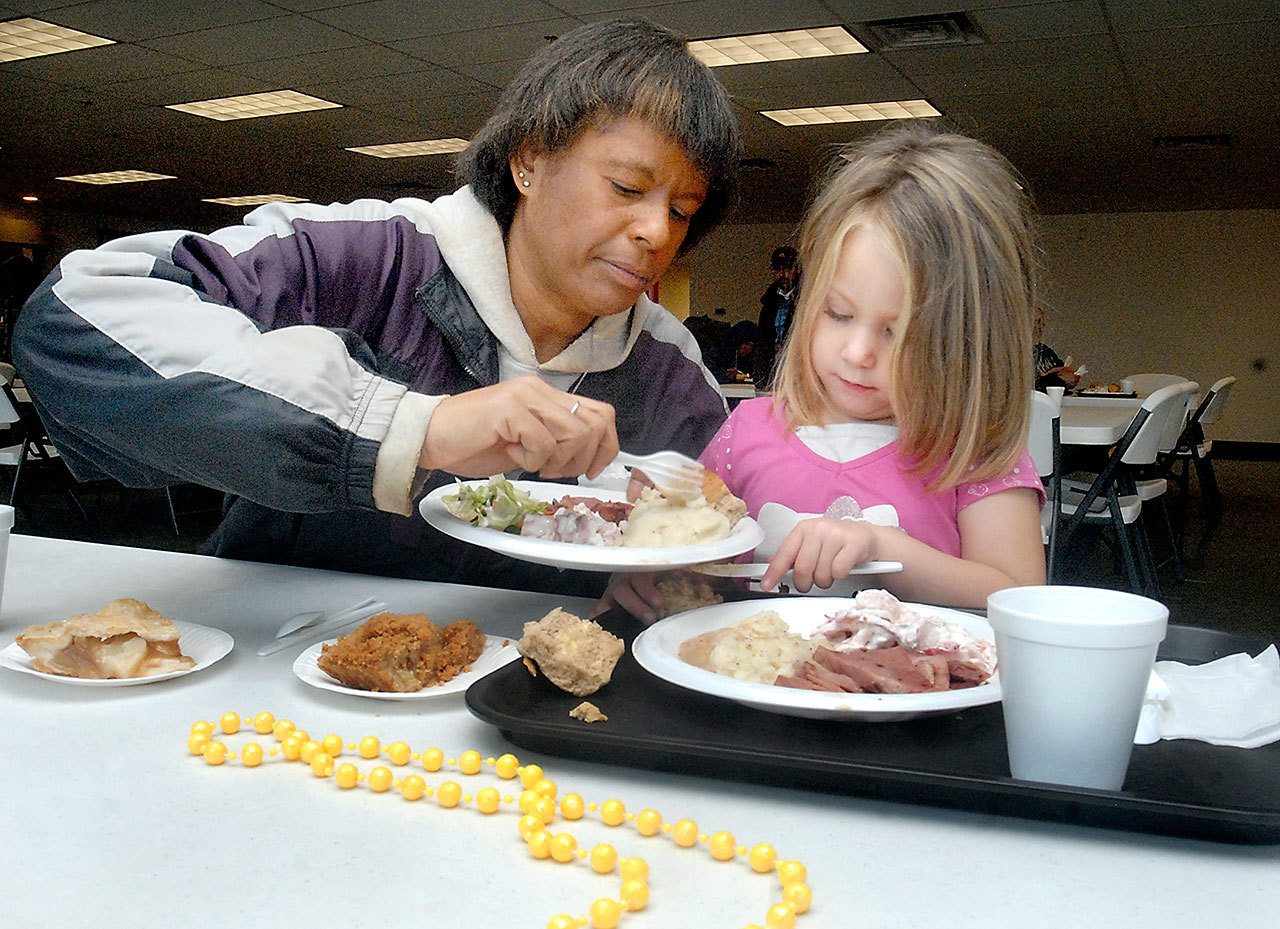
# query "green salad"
(499, 504)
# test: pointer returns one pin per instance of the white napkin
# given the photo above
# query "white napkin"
(1231, 701)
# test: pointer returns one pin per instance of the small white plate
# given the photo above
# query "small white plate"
(203, 643)
(657, 650)
(498, 651)
(745, 536)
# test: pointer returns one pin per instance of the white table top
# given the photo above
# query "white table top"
(738, 391)
(109, 821)
(1098, 422)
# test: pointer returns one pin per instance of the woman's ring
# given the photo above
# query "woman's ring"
(573, 410)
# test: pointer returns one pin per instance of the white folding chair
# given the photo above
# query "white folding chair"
(1111, 498)
(34, 450)
(1044, 442)
(1193, 447)
(1147, 384)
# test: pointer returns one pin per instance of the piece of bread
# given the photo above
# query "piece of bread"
(588, 712)
(393, 653)
(576, 655)
(126, 638)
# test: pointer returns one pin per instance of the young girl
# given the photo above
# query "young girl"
(903, 385)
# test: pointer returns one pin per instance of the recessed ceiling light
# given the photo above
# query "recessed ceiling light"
(30, 199)
(254, 200)
(250, 106)
(410, 149)
(775, 46)
(852, 112)
(31, 38)
(117, 177)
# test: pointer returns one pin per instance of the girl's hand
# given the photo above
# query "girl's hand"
(524, 423)
(821, 551)
(637, 593)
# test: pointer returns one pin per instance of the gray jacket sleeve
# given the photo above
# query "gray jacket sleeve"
(230, 360)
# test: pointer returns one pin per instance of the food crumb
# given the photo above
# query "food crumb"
(588, 712)
(530, 666)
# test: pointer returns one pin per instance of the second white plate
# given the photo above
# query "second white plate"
(745, 536)
(657, 650)
(498, 651)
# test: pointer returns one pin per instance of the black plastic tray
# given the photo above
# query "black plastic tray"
(1177, 787)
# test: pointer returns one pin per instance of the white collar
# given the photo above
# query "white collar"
(471, 243)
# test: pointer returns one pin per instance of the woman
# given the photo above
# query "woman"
(325, 365)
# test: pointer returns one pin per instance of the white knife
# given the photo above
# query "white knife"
(757, 570)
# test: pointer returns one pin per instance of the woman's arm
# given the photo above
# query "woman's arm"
(1000, 547)
(223, 359)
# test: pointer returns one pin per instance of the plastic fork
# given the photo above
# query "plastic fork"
(676, 476)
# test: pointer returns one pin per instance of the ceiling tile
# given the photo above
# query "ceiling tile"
(428, 83)
(149, 19)
(713, 18)
(255, 41)
(1042, 21)
(204, 84)
(354, 62)
(1129, 15)
(104, 64)
(395, 20)
(481, 46)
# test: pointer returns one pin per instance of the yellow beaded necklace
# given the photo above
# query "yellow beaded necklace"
(536, 804)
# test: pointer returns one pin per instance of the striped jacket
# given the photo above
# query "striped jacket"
(294, 362)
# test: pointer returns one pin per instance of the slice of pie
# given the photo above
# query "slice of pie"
(126, 638)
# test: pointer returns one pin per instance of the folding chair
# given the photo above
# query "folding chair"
(1193, 448)
(33, 451)
(1044, 441)
(1111, 499)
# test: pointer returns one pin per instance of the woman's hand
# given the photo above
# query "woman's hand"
(524, 423)
(637, 593)
(821, 551)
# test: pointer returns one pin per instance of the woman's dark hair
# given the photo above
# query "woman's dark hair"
(597, 72)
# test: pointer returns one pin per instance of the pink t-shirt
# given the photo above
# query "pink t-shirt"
(761, 463)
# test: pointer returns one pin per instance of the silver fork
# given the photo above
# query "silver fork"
(676, 476)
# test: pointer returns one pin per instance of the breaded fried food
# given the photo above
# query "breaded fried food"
(576, 655)
(722, 501)
(682, 591)
(395, 653)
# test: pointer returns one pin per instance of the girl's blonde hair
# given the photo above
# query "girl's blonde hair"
(954, 213)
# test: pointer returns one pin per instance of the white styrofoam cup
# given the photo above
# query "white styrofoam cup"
(1074, 664)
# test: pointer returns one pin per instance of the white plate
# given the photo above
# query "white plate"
(203, 643)
(657, 651)
(745, 536)
(498, 651)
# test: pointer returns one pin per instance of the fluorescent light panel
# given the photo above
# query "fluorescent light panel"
(410, 149)
(31, 38)
(117, 177)
(852, 112)
(775, 46)
(254, 200)
(251, 106)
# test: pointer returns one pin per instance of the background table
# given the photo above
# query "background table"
(109, 821)
(1096, 422)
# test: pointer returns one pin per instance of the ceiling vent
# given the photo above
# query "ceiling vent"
(940, 29)
(1207, 140)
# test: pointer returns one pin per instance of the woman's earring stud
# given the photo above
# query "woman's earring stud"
(520, 174)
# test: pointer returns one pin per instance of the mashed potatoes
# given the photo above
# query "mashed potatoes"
(656, 522)
(759, 648)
